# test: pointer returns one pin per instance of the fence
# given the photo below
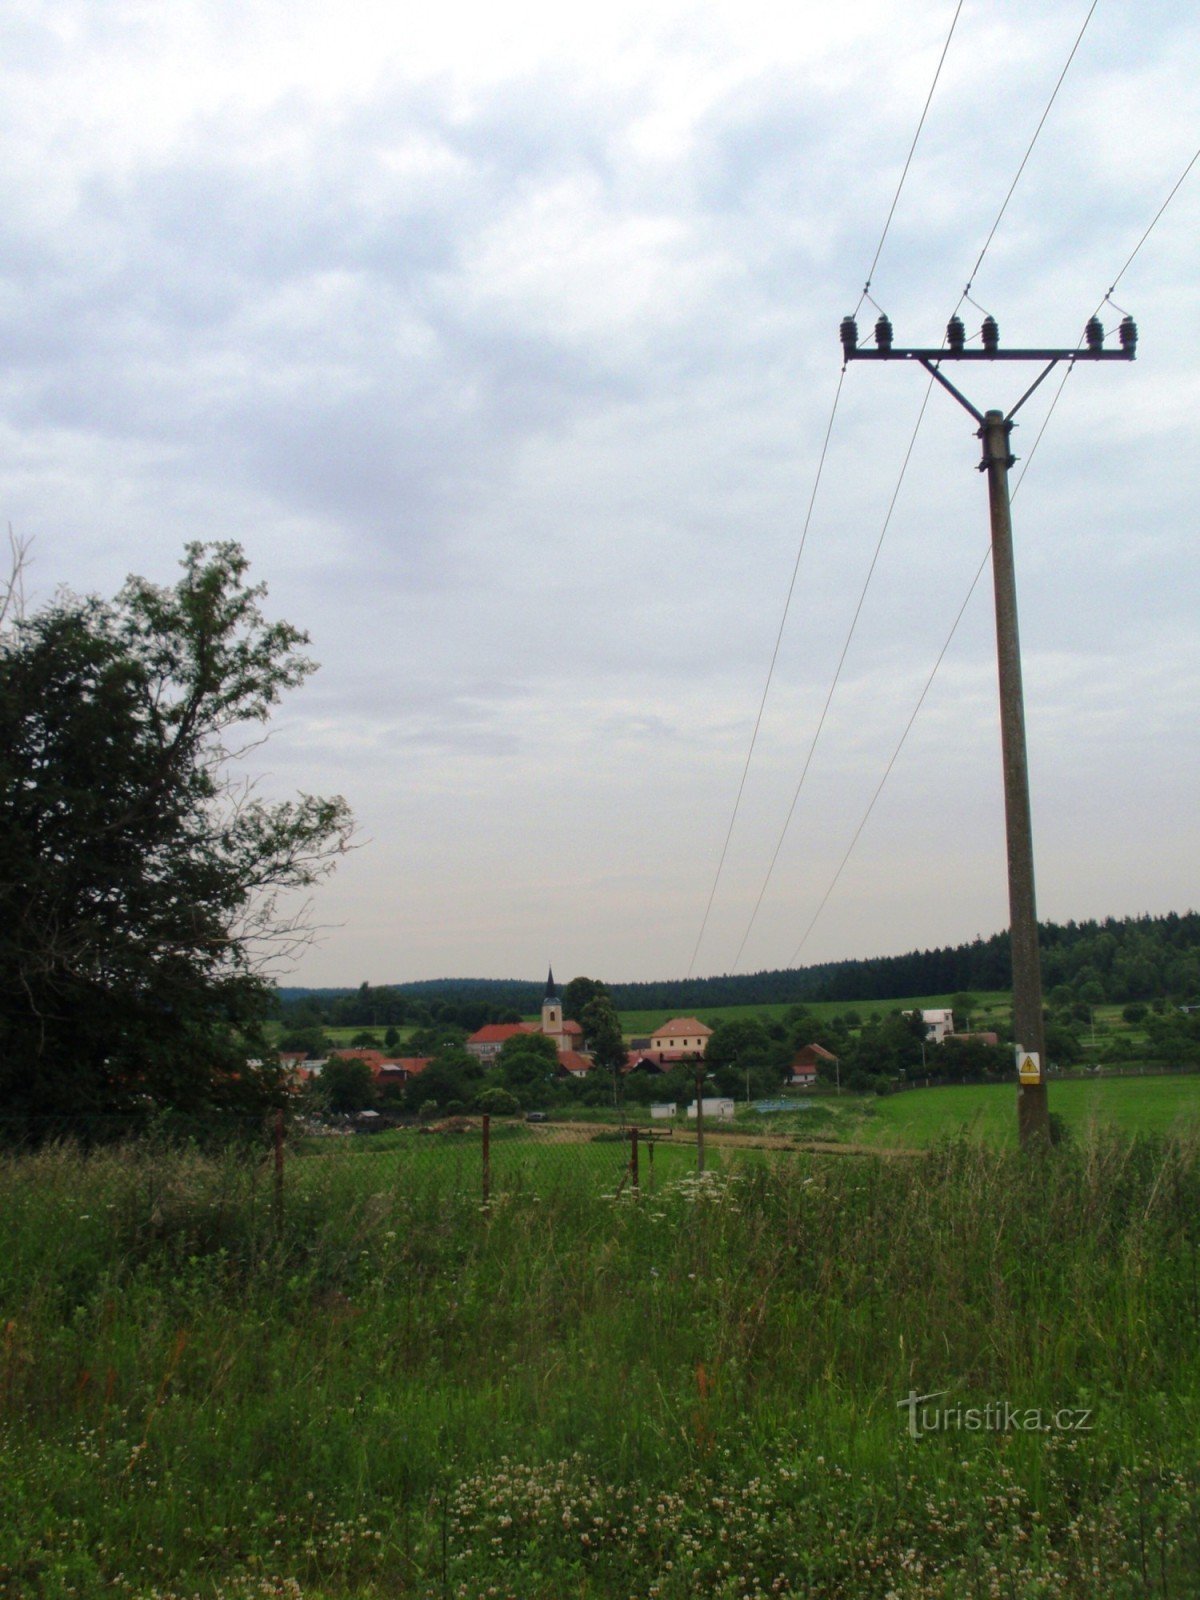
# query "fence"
(250, 1178)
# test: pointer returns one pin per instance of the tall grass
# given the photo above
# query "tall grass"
(394, 1389)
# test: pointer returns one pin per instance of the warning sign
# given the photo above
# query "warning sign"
(1029, 1066)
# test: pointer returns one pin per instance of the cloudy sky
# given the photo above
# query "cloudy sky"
(505, 340)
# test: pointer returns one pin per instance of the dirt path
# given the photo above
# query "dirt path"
(718, 1139)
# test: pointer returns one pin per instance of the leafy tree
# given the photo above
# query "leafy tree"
(391, 1039)
(311, 1040)
(347, 1085)
(453, 1075)
(526, 1061)
(742, 1042)
(602, 1029)
(579, 994)
(364, 1039)
(497, 1102)
(432, 1040)
(140, 882)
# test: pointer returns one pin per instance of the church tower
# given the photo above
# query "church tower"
(552, 1017)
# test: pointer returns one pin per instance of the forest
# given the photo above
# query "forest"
(1118, 960)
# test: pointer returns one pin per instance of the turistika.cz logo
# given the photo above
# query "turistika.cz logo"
(997, 1416)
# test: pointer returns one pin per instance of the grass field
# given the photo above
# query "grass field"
(988, 1112)
(390, 1389)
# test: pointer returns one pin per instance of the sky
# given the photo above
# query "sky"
(505, 341)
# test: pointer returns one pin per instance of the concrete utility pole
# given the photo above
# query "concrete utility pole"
(995, 430)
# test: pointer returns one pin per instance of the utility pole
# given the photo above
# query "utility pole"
(995, 430)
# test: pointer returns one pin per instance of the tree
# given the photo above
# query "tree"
(602, 1030)
(346, 1084)
(579, 994)
(526, 1061)
(140, 880)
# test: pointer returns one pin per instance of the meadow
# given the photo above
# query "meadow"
(1160, 1104)
(387, 1387)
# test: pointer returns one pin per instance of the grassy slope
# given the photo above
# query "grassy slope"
(1153, 1105)
(696, 1396)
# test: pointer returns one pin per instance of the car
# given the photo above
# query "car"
(535, 1116)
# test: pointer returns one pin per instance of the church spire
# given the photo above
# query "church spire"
(551, 987)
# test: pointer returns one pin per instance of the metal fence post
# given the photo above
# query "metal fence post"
(487, 1157)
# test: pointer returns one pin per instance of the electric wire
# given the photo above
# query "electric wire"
(965, 296)
(787, 821)
(1028, 462)
(908, 161)
(1107, 300)
(1029, 150)
(812, 501)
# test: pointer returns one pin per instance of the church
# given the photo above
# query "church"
(567, 1035)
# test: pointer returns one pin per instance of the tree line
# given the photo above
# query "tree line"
(1117, 960)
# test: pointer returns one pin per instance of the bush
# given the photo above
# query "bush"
(497, 1103)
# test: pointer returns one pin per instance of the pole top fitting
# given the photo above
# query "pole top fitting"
(955, 335)
(883, 332)
(849, 337)
(991, 335)
(1094, 334)
(1128, 335)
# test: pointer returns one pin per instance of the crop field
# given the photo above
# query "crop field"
(367, 1382)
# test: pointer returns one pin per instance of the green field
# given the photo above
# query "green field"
(371, 1384)
(987, 1112)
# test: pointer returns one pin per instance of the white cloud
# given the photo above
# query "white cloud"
(505, 339)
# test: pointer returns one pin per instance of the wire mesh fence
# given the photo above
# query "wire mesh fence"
(241, 1184)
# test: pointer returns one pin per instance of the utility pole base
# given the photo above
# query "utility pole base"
(1033, 1115)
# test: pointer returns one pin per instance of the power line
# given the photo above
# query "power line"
(975, 580)
(892, 762)
(1029, 151)
(966, 295)
(770, 670)
(908, 161)
(812, 501)
(836, 676)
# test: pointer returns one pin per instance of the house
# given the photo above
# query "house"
(937, 1024)
(681, 1039)
(373, 1058)
(573, 1064)
(807, 1065)
(400, 1069)
(486, 1042)
(640, 1061)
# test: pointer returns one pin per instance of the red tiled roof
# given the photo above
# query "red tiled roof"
(373, 1058)
(571, 1061)
(682, 1025)
(407, 1066)
(498, 1032)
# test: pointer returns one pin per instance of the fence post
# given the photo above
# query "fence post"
(651, 1150)
(699, 1120)
(278, 1140)
(633, 1156)
(487, 1158)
